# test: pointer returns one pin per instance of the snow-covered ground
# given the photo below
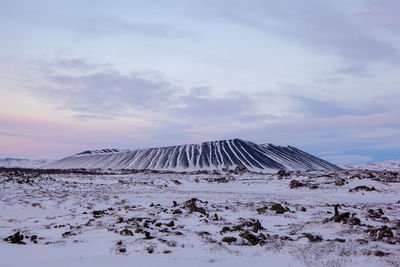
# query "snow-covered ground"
(389, 165)
(121, 218)
(23, 163)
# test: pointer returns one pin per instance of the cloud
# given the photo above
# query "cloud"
(201, 106)
(89, 24)
(321, 108)
(169, 114)
(79, 64)
(322, 25)
(91, 91)
(354, 70)
(100, 25)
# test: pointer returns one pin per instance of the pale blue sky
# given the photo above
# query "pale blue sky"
(319, 75)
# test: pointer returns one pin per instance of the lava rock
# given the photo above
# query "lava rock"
(192, 207)
(229, 239)
(170, 224)
(384, 233)
(313, 238)
(253, 240)
(279, 209)
(126, 232)
(15, 239)
(362, 188)
(296, 184)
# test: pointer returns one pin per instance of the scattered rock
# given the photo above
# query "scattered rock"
(379, 253)
(313, 238)
(362, 241)
(177, 211)
(286, 238)
(34, 239)
(343, 218)
(252, 239)
(362, 188)
(313, 186)
(283, 173)
(257, 226)
(229, 239)
(296, 184)
(192, 207)
(382, 234)
(279, 209)
(340, 182)
(98, 213)
(126, 232)
(238, 170)
(147, 235)
(15, 239)
(203, 233)
(122, 250)
(215, 217)
(341, 240)
(67, 234)
(170, 224)
(375, 213)
(355, 221)
(262, 210)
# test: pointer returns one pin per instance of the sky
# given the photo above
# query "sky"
(89, 74)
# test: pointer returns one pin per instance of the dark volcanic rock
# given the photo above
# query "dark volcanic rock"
(252, 239)
(375, 213)
(279, 209)
(192, 207)
(296, 184)
(313, 238)
(343, 218)
(381, 234)
(229, 239)
(362, 188)
(126, 232)
(262, 210)
(15, 239)
(170, 224)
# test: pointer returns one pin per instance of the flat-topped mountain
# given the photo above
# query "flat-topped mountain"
(214, 155)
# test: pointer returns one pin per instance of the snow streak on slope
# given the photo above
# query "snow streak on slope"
(213, 155)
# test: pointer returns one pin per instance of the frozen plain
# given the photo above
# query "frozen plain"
(150, 218)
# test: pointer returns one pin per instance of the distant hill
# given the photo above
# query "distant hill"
(388, 165)
(22, 163)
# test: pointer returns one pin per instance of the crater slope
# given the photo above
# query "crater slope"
(214, 155)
